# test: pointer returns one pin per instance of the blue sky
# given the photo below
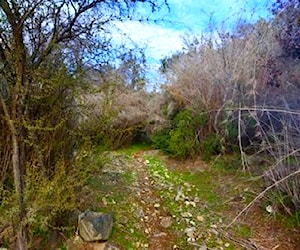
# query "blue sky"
(185, 18)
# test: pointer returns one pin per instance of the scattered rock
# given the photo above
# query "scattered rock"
(80, 245)
(123, 220)
(166, 222)
(104, 201)
(111, 247)
(214, 231)
(160, 234)
(75, 243)
(270, 209)
(95, 226)
(190, 203)
(187, 184)
(98, 246)
(112, 177)
(192, 223)
(190, 232)
(179, 196)
(139, 212)
(219, 241)
(115, 164)
(200, 218)
(157, 205)
(186, 215)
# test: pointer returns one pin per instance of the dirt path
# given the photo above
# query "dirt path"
(156, 219)
(163, 204)
(264, 232)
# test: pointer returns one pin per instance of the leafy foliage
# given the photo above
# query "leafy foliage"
(161, 140)
(184, 138)
(212, 145)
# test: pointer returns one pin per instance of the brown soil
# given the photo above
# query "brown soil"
(159, 238)
(267, 233)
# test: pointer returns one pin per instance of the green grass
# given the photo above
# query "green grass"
(128, 178)
(243, 230)
(112, 193)
(127, 234)
(132, 149)
(198, 199)
(287, 220)
(228, 163)
(202, 196)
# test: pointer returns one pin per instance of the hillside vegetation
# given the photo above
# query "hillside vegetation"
(229, 97)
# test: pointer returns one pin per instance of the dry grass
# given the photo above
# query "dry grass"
(121, 114)
(244, 80)
(228, 72)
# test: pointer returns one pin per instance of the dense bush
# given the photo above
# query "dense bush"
(115, 115)
(161, 140)
(212, 145)
(246, 83)
(53, 174)
(185, 137)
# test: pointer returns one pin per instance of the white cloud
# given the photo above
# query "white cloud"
(163, 39)
(159, 41)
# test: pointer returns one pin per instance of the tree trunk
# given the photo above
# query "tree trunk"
(21, 234)
(19, 187)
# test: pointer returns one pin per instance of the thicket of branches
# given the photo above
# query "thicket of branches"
(238, 92)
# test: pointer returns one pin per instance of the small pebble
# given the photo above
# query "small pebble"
(156, 205)
(200, 218)
(186, 214)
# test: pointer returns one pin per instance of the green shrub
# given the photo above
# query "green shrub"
(188, 134)
(183, 138)
(212, 145)
(231, 132)
(161, 140)
(181, 144)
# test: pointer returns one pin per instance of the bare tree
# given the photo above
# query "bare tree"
(30, 32)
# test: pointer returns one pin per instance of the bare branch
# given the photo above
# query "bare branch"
(29, 12)
(8, 12)
(262, 195)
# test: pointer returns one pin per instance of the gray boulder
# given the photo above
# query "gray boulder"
(95, 226)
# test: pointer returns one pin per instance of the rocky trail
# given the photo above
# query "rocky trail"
(160, 204)
(155, 219)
